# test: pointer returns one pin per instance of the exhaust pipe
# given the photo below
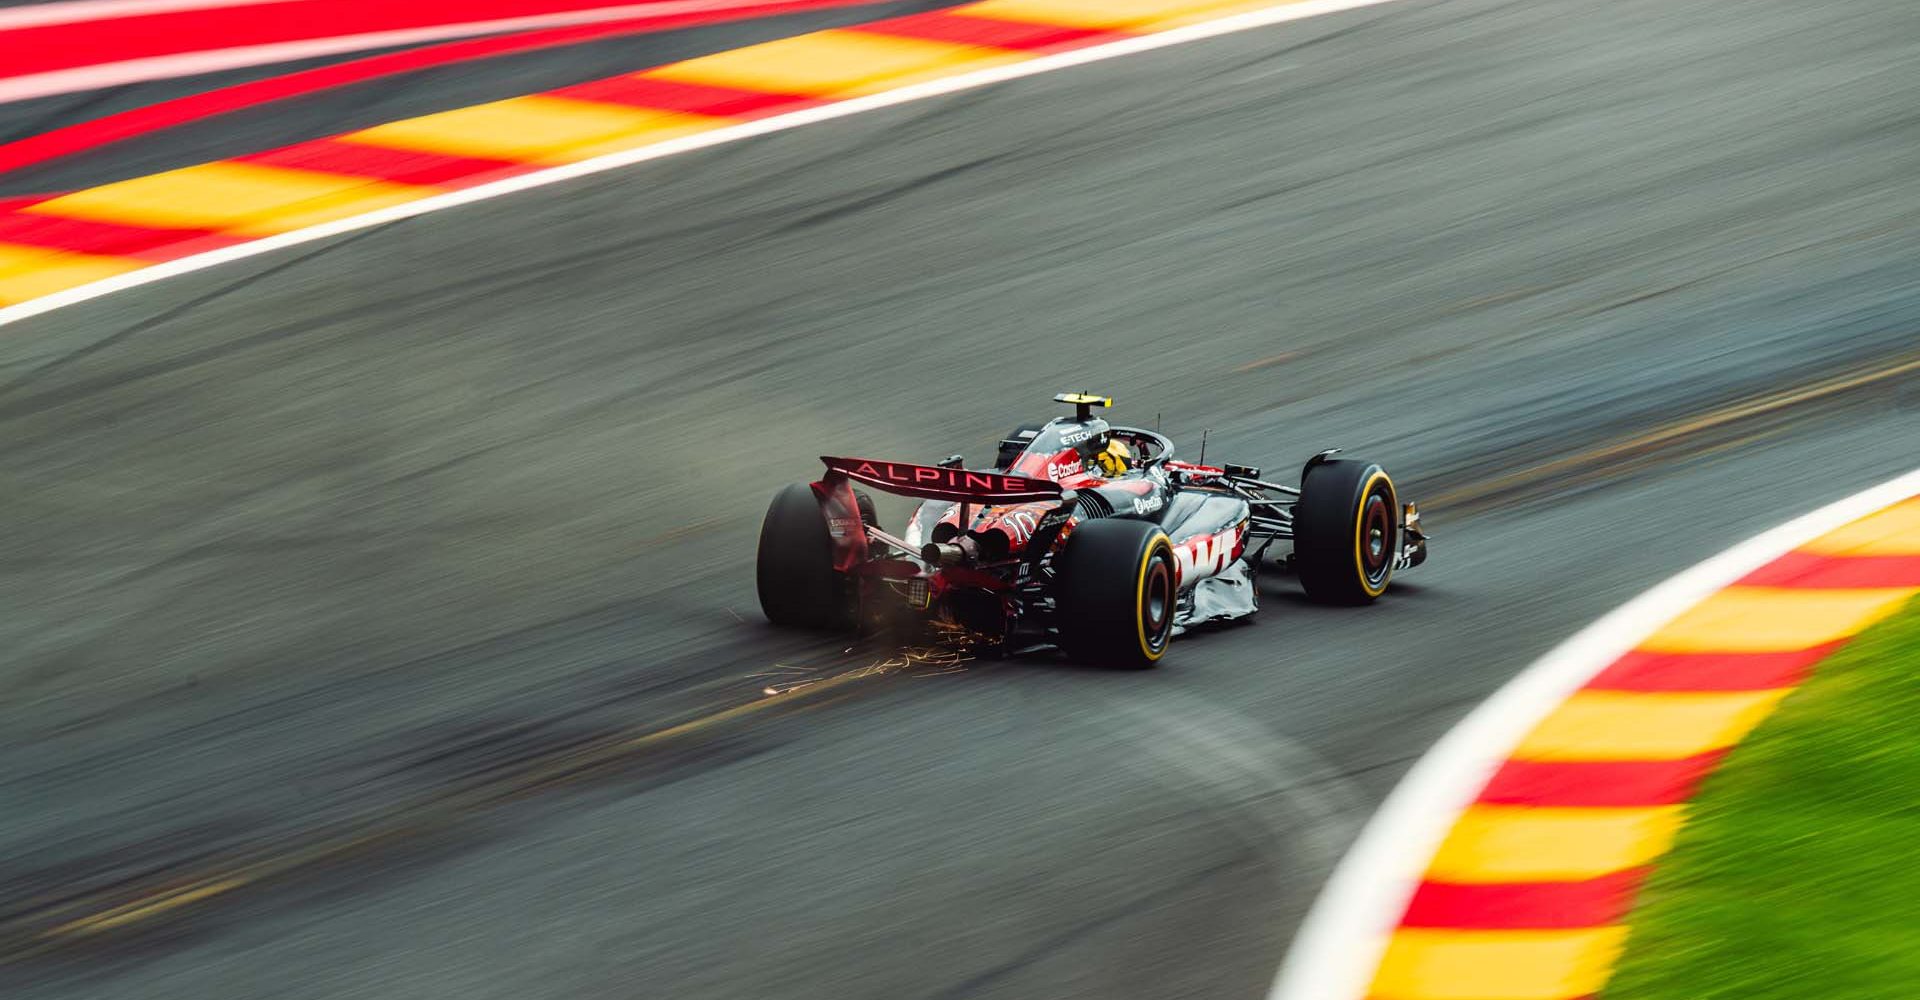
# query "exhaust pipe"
(961, 550)
(939, 554)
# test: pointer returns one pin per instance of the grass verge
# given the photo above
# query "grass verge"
(1798, 872)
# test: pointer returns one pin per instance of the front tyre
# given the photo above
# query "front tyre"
(794, 573)
(1116, 593)
(1346, 531)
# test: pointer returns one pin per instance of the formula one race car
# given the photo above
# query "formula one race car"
(1083, 535)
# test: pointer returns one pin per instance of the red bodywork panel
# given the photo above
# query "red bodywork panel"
(1065, 467)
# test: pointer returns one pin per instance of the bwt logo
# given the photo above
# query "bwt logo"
(1206, 555)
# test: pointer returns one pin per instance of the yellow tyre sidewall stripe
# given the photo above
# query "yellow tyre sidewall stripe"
(1158, 547)
(1360, 527)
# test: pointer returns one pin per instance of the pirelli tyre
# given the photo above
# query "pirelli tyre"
(798, 585)
(1115, 593)
(864, 501)
(1346, 531)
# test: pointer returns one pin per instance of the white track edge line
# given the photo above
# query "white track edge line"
(732, 133)
(1339, 945)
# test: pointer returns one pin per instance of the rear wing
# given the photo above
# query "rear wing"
(934, 482)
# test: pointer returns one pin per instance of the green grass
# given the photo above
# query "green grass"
(1798, 872)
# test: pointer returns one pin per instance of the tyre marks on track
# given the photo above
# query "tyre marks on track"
(56, 921)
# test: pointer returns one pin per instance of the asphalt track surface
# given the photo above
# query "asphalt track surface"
(328, 540)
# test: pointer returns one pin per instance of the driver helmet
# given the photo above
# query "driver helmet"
(1115, 459)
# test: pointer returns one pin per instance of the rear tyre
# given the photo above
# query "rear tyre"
(794, 573)
(1116, 593)
(864, 501)
(1346, 532)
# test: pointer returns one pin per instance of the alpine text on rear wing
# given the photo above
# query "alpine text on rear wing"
(933, 482)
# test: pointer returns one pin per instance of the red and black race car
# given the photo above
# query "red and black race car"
(1083, 535)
